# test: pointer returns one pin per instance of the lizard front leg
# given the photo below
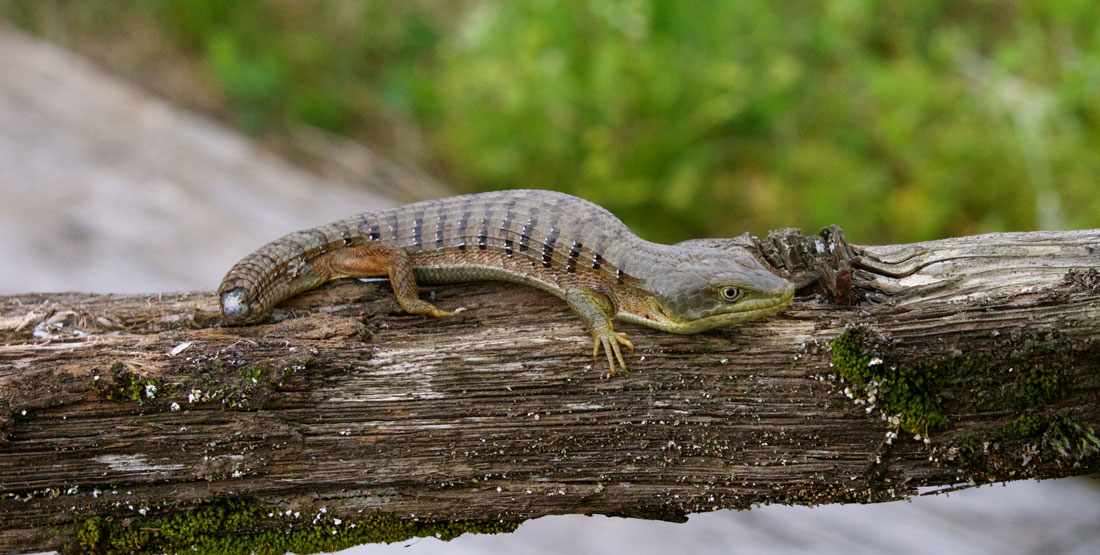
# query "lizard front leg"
(377, 260)
(596, 311)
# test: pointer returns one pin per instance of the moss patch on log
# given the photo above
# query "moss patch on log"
(204, 382)
(243, 527)
(917, 392)
(909, 393)
(122, 384)
(1039, 386)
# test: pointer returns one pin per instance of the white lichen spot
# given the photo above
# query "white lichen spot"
(174, 406)
(150, 391)
(875, 362)
(133, 464)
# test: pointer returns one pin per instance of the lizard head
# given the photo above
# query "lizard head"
(710, 288)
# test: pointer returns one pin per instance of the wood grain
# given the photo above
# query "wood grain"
(342, 401)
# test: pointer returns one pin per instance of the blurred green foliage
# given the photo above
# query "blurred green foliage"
(899, 121)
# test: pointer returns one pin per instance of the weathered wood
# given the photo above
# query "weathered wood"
(129, 407)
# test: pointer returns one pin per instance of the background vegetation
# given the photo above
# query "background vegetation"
(900, 121)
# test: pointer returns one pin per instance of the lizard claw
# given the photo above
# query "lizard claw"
(610, 340)
(417, 306)
(438, 313)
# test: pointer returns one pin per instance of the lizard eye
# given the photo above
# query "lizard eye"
(732, 294)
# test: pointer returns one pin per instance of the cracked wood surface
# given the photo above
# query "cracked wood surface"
(342, 401)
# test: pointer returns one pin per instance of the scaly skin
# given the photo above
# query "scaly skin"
(553, 241)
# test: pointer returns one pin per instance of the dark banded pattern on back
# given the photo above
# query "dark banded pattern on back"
(463, 222)
(525, 236)
(483, 234)
(418, 227)
(574, 252)
(440, 224)
(548, 247)
(579, 241)
(506, 228)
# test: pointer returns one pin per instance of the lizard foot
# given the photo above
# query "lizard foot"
(418, 306)
(610, 340)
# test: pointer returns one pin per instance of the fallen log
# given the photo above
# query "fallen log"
(141, 422)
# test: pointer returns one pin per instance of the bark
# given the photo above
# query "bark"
(940, 364)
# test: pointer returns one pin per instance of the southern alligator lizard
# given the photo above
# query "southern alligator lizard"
(553, 241)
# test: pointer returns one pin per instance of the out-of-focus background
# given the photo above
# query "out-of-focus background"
(146, 145)
(901, 121)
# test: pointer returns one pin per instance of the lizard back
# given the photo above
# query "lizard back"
(546, 239)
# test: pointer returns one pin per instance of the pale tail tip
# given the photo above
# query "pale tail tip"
(236, 304)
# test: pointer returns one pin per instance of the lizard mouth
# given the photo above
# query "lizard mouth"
(754, 309)
(747, 310)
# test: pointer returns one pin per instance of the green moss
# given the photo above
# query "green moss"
(912, 393)
(271, 373)
(246, 386)
(253, 372)
(123, 385)
(1024, 426)
(849, 357)
(232, 527)
(1065, 436)
(1040, 386)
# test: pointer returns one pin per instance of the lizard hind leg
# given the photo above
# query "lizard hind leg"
(379, 260)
